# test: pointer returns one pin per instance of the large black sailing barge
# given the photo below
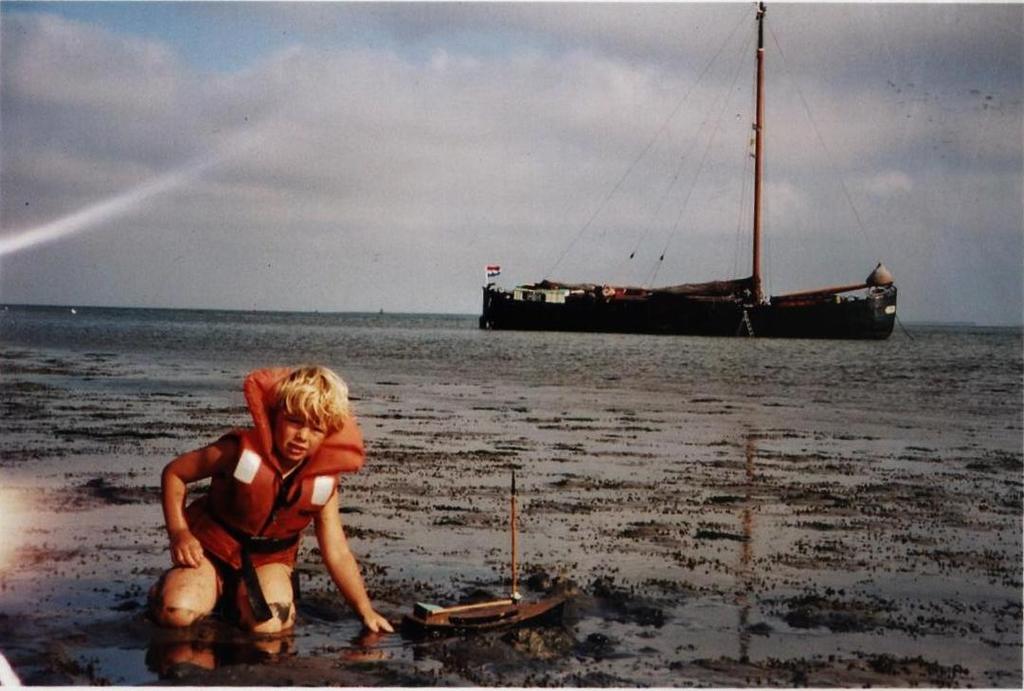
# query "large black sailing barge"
(735, 307)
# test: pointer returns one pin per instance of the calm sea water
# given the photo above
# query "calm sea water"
(954, 371)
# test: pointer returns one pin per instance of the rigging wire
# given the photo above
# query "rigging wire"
(817, 132)
(661, 202)
(700, 167)
(648, 227)
(900, 322)
(675, 110)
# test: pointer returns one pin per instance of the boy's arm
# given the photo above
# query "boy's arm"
(189, 467)
(342, 566)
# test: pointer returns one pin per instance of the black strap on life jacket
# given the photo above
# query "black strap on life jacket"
(256, 545)
(253, 590)
(253, 544)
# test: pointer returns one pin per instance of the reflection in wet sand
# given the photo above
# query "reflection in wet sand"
(366, 648)
(744, 574)
(212, 644)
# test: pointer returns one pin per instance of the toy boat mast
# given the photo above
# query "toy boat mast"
(513, 529)
(480, 616)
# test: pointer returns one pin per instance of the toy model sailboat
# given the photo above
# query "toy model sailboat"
(482, 616)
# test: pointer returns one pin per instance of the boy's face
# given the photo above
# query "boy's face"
(295, 437)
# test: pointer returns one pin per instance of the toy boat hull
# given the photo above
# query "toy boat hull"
(482, 617)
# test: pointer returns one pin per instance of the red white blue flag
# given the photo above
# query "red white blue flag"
(493, 271)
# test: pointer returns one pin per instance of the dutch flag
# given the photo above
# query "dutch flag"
(493, 271)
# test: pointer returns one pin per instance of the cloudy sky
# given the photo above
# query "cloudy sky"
(337, 157)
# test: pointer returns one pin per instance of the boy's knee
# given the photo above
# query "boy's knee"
(282, 618)
(182, 596)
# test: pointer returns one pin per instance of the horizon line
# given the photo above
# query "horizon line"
(380, 311)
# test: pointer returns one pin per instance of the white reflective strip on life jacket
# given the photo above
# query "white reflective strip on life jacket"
(323, 487)
(248, 464)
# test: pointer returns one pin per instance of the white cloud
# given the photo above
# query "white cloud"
(54, 61)
(888, 183)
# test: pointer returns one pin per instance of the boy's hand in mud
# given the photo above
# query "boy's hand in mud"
(186, 549)
(375, 623)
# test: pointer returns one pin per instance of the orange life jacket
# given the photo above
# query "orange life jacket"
(255, 500)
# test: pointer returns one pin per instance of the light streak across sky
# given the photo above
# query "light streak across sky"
(106, 210)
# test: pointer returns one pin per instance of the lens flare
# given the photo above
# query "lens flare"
(13, 519)
(108, 209)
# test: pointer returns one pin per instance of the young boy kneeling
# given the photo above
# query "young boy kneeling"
(268, 482)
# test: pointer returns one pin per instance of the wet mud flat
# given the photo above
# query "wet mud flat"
(710, 539)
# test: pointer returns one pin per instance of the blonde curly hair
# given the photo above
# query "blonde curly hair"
(317, 394)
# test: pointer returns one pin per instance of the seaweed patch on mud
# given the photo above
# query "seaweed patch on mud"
(825, 671)
(815, 611)
(56, 665)
(651, 531)
(623, 604)
(99, 491)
